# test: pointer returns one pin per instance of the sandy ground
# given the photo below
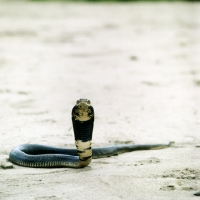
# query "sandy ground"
(138, 64)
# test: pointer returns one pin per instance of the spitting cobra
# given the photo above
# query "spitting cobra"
(36, 155)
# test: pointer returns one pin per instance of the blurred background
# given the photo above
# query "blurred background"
(125, 1)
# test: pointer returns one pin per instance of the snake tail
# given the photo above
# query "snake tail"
(197, 194)
(114, 150)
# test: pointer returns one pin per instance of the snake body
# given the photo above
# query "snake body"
(36, 155)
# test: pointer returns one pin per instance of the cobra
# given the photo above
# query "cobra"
(36, 155)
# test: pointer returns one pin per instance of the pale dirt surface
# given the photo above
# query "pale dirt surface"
(139, 64)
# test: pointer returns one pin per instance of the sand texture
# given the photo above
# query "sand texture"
(139, 64)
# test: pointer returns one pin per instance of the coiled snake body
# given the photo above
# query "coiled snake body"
(35, 155)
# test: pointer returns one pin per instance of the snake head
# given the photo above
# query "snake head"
(83, 111)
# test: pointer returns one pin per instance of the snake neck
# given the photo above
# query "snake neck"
(84, 150)
(83, 140)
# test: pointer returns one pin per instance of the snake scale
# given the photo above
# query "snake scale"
(36, 155)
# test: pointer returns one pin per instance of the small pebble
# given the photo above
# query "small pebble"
(171, 187)
(6, 165)
(133, 58)
(192, 176)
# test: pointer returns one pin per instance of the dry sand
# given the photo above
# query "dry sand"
(138, 63)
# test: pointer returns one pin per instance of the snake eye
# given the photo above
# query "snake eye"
(78, 101)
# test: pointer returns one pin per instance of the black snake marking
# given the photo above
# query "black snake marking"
(36, 155)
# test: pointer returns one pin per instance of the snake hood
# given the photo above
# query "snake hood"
(83, 120)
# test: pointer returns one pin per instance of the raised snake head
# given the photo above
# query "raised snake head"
(83, 111)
